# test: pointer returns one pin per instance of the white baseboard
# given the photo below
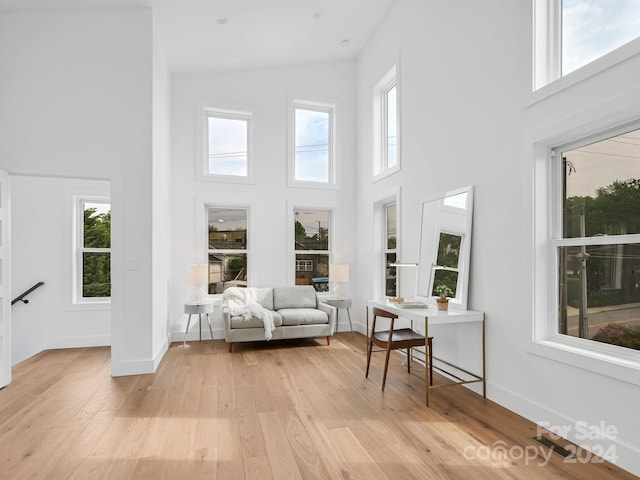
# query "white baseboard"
(157, 358)
(628, 456)
(79, 342)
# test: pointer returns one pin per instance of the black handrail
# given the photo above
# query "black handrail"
(20, 298)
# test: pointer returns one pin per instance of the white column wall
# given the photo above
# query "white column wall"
(265, 93)
(465, 120)
(76, 95)
(161, 203)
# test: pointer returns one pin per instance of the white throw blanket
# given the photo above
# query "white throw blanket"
(243, 302)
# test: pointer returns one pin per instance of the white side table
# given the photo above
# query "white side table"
(341, 303)
(198, 309)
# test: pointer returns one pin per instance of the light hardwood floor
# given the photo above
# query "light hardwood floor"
(278, 410)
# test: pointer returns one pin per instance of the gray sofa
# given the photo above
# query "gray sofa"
(297, 313)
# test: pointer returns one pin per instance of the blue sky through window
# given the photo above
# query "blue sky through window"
(228, 146)
(593, 28)
(312, 145)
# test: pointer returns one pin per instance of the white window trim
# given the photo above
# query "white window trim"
(202, 232)
(544, 71)
(320, 106)
(380, 90)
(543, 339)
(379, 242)
(292, 207)
(202, 147)
(77, 300)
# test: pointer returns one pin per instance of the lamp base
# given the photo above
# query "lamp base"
(338, 290)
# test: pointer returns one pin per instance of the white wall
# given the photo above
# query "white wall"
(464, 122)
(42, 210)
(161, 236)
(76, 92)
(265, 93)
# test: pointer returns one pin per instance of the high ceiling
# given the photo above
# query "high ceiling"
(204, 35)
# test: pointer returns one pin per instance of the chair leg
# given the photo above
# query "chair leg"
(369, 348)
(230, 345)
(408, 360)
(328, 340)
(386, 366)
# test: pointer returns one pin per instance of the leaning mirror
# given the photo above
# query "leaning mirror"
(445, 245)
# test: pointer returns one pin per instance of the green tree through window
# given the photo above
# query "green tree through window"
(96, 255)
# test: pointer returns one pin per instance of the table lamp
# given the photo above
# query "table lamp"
(198, 277)
(339, 274)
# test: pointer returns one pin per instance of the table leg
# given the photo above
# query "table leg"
(427, 363)
(200, 325)
(210, 329)
(337, 319)
(350, 324)
(184, 340)
(484, 362)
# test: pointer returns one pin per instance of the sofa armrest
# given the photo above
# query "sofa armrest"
(332, 312)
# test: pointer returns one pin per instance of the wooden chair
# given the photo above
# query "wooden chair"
(392, 340)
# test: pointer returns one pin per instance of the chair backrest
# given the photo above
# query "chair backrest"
(377, 312)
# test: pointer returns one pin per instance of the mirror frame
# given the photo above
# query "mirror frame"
(447, 219)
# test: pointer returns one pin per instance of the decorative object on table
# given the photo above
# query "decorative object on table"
(339, 275)
(198, 277)
(443, 291)
(399, 299)
(412, 305)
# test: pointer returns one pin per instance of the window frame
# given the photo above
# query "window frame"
(78, 297)
(545, 37)
(202, 167)
(543, 338)
(316, 106)
(381, 167)
(222, 251)
(293, 262)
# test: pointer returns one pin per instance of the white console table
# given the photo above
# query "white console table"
(432, 316)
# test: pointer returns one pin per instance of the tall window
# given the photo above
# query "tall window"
(93, 261)
(313, 155)
(386, 125)
(390, 250)
(597, 239)
(227, 248)
(311, 237)
(390, 125)
(228, 143)
(572, 33)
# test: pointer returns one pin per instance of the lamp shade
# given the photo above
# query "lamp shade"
(198, 273)
(339, 273)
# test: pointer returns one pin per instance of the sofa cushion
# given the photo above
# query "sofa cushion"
(265, 297)
(294, 297)
(240, 322)
(303, 316)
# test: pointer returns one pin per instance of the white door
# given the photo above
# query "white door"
(5, 283)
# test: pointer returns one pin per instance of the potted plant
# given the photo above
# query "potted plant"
(444, 292)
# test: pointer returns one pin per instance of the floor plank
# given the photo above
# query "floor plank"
(295, 409)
